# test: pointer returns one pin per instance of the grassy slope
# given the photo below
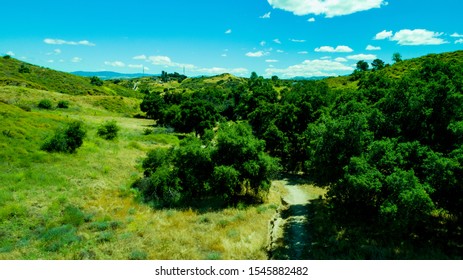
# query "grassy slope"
(51, 80)
(80, 206)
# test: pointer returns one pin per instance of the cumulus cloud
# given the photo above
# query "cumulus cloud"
(415, 37)
(310, 68)
(459, 41)
(362, 57)
(372, 48)
(115, 63)
(456, 35)
(383, 35)
(267, 15)
(341, 59)
(76, 59)
(338, 49)
(263, 43)
(418, 37)
(297, 41)
(229, 31)
(311, 20)
(64, 42)
(277, 41)
(256, 54)
(329, 8)
(10, 53)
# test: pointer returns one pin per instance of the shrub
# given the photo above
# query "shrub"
(108, 130)
(63, 104)
(96, 81)
(66, 140)
(45, 104)
(24, 69)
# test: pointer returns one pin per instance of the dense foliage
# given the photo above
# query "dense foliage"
(229, 164)
(389, 151)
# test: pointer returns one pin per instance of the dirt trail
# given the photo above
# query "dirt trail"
(289, 230)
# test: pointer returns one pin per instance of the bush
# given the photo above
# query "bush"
(66, 140)
(63, 104)
(108, 130)
(96, 81)
(45, 104)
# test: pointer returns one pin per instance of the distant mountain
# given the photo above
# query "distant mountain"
(107, 75)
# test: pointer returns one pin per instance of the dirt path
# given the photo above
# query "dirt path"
(289, 230)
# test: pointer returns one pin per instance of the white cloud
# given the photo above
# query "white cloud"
(341, 59)
(267, 15)
(310, 68)
(373, 48)
(303, 52)
(362, 57)
(115, 63)
(256, 54)
(456, 35)
(325, 57)
(76, 59)
(10, 53)
(277, 41)
(224, 55)
(263, 43)
(64, 42)
(50, 61)
(140, 57)
(271, 60)
(329, 8)
(220, 70)
(229, 31)
(297, 41)
(55, 52)
(338, 49)
(280, 51)
(383, 35)
(459, 41)
(417, 37)
(311, 20)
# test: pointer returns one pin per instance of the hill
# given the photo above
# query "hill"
(14, 72)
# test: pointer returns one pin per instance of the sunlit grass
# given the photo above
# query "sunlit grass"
(81, 206)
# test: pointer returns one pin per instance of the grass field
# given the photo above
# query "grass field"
(81, 206)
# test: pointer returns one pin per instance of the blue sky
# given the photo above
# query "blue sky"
(271, 37)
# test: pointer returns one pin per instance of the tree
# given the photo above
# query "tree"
(377, 64)
(66, 140)
(153, 105)
(362, 66)
(397, 57)
(108, 130)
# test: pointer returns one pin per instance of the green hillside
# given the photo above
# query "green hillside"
(17, 73)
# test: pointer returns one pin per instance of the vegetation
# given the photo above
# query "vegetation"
(108, 130)
(385, 142)
(45, 104)
(66, 140)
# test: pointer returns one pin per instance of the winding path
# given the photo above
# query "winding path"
(289, 229)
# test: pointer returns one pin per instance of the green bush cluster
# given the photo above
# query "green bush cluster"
(108, 130)
(45, 104)
(232, 165)
(66, 140)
